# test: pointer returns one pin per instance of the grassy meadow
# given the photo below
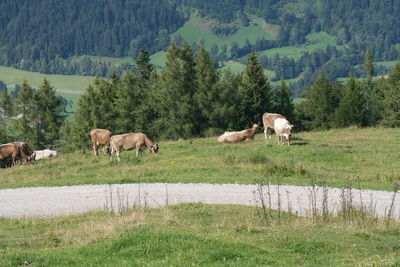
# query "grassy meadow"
(319, 40)
(334, 157)
(64, 82)
(196, 235)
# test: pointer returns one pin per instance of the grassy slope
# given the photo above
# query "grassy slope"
(335, 156)
(192, 31)
(65, 82)
(318, 40)
(194, 235)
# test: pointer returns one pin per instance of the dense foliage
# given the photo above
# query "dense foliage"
(32, 34)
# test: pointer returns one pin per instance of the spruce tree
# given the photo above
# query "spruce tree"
(177, 107)
(47, 108)
(351, 110)
(144, 111)
(283, 101)
(6, 103)
(144, 67)
(322, 100)
(129, 99)
(207, 93)
(255, 92)
(391, 114)
(26, 113)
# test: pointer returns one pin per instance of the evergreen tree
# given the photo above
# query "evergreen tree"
(255, 92)
(6, 103)
(369, 64)
(283, 103)
(47, 109)
(351, 110)
(207, 93)
(129, 98)
(391, 115)
(321, 102)
(145, 68)
(25, 110)
(177, 106)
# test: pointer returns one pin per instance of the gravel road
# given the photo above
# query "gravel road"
(68, 200)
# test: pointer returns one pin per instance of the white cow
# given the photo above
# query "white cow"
(283, 130)
(44, 154)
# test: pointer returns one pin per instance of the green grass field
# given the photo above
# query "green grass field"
(195, 235)
(333, 157)
(192, 31)
(315, 41)
(64, 82)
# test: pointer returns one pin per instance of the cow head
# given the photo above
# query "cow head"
(288, 132)
(154, 148)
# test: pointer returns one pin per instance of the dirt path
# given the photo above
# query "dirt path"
(67, 200)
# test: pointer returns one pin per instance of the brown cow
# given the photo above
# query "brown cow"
(9, 151)
(101, 137)
(238, 136)
(268, 122)
(26, 153)
(131, 141)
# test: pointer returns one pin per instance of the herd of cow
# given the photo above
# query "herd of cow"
(19, 152)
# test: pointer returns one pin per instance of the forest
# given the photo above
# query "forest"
(191, 98)
(67, 41)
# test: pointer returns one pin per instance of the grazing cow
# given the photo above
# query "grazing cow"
(268, 122)
(44, 154)
(10, 151)
(25, 153)
(100, 137)
(131, 141)
(283, 130)
(238, 136)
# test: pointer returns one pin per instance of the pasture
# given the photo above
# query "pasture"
(334, 157)
(63, 82)
(213, 235)
(196, 235)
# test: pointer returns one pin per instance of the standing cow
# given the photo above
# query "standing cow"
(268, 122)
(101, 137)
(283, 130)
(15, 151)
(131, 141)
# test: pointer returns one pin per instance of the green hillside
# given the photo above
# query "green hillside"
(194, 30)
(315, 41)
(62, 82)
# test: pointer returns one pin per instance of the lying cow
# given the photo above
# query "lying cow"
(238, 136)
(44, 154)
(131, 141)
(268, 122)
(101, 137)
(283, 130)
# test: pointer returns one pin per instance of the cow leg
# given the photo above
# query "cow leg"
(118, 156)
(96, 153)
(265, 133)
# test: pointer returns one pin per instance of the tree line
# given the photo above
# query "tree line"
(191, 98)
